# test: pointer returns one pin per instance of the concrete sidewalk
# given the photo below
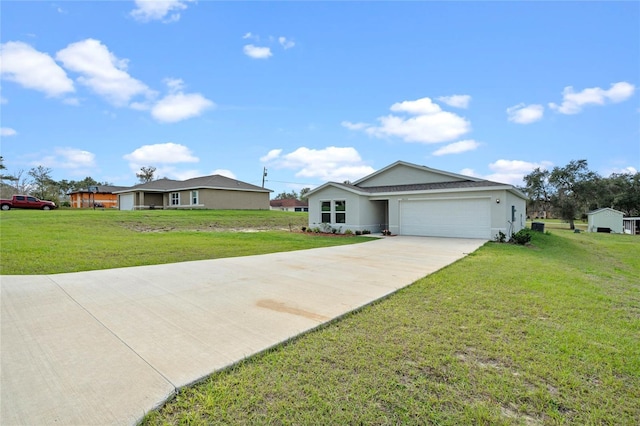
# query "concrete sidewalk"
(105, 347)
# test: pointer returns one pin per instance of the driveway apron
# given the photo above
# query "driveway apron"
(106, 347)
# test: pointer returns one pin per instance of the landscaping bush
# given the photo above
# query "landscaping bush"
(521, 237)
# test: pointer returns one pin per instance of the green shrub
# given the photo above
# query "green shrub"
(521, 237)
(501, 237)
(348, 232)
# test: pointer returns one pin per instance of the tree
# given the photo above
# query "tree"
(624, 191)
(146, 174)
(293, 195)
(538, 190)
(572, 189)
(44, 187)
(303, 193)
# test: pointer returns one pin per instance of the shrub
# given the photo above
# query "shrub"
(365, 232)
(326, 228)
(522, 237)
(358, 232)
(501, 237)
(348, 232)
(304, 228)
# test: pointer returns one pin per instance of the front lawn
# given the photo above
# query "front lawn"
(546, 334)
(49, 242)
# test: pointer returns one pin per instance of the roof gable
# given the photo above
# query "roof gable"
(403, 173)
(605, 209)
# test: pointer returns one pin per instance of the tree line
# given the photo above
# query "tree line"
(571, 191)
(38, 182)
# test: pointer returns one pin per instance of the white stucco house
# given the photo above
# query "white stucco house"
(605, 218)
(408, 199)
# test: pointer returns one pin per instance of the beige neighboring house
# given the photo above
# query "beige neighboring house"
(408, 199)
(205, 192)
(605, 220)
(289, 205)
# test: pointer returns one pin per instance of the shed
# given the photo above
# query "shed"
(605, 219)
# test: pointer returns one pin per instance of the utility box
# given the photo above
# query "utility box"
(537, 226)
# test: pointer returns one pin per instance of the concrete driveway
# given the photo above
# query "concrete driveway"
(105, 347)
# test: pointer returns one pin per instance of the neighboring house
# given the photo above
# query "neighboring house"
(289, 205)
(206, 192)
(103, 197)
(605, 220)
(408, 199)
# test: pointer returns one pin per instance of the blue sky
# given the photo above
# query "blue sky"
(318, 91)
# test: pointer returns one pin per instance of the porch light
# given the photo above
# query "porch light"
(497, 200)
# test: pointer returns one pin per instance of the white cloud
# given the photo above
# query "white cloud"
(573, 102)
(76, 161)
(160, 154)
(328, 164)
(180, 106)
(224, 172)
(456, 101)
(164, 10)
(273, 154)
(457, 147)
(429, 124)
(525, 114)
(468, 172)
(286, 43)
(354, 126)
(513, 171)
(102, 71)
(32, 69)
(7, 131)
(247, 35)
(257, 52)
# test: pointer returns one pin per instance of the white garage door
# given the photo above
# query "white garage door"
(462, 218)
(126, 202)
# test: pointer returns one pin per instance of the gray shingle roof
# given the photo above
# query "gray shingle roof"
(210, 182)
(421, 186)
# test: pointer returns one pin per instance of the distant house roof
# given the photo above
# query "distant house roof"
(102, 189)
(288, 203)
(605, 209)
(203, 182)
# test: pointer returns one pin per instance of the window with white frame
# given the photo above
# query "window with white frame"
(175, 198)
(194, 198)
(336, 210)
(340, 211)
(325, 208)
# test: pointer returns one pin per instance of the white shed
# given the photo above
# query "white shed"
(605, 220)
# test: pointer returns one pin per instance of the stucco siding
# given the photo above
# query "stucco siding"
(404, 175)
(231, 200)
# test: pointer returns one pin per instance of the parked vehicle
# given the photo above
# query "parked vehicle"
(26, 202)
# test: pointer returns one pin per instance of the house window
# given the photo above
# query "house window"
(341, 207)
(175, 198)
(194, 197)
(326, 211)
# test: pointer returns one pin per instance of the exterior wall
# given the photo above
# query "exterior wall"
(86, 200)
(520, 214)
(607, 218)
(290, 209)
(405, 175)
(227, 200)
(353, 208)
(500, 212)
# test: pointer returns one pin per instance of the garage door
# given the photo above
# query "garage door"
(126, 202)
(462, 218)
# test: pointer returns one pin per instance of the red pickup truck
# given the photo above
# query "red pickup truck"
(26, 202)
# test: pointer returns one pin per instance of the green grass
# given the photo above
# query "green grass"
(39, 242)
(546, 334)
